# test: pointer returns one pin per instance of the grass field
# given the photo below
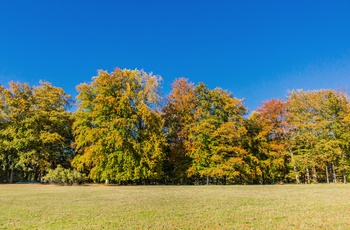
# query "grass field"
(175, 207)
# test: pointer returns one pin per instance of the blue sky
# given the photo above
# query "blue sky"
(257, 49)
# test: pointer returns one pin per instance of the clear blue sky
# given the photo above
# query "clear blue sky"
(257, 49)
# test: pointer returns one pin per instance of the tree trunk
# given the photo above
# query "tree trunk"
(107, 181)
(314, 174)
(296, 175)
(41, 176)
(334, 175)
(11, 175)
(344, 175)
(308, 175)
(263, 178)
(327, 175)
(294, 168)
(224, 180)
(207, 180)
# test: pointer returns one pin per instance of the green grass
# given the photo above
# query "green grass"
(175, 207)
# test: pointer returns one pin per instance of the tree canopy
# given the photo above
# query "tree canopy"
(123, 130)
(35, 129)
(118, 130)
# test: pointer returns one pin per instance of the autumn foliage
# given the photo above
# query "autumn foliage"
(123, 131)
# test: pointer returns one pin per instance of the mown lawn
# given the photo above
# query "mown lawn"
(175, 207)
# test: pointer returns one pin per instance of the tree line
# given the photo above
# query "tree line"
(123, 131)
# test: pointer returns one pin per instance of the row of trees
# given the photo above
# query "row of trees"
(35, 130)
(124, 132)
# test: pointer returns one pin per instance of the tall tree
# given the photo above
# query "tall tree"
(215, 138)
(317, 124)
(252, 145)
(3, 123)
(335, 111)
(50, 129)
(15, 139)
(178, 115)
(273, 153)
(37, 132)
(118, 130)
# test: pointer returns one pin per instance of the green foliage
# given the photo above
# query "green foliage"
(62, 176)
(123, 133)
(178, 115)
(319, 132)
(35, 129)
(268, 136)
(215, 142)
(118, 130)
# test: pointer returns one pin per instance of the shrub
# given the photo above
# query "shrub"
(62, 176)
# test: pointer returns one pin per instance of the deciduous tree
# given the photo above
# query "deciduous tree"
(178, 115)
(118, 130)
(318, 132)
(215, 138)
(36, 130)
(273, 151)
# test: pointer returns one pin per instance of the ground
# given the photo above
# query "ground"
(319, 206)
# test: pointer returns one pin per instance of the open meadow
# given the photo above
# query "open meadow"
(175, 207)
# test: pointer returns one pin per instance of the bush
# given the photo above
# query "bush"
(62, 176)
